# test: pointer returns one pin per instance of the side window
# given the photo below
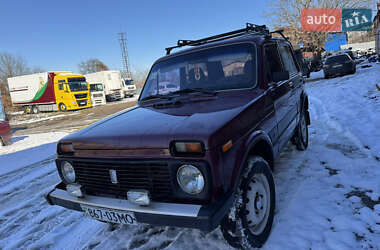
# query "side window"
(60, 86)
(288, 59)
(272, 61)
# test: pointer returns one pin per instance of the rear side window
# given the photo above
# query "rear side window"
(337, 59)
(288, 59)
(272, 61)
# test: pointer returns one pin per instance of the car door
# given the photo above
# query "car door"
(279, 92)
(294, 85)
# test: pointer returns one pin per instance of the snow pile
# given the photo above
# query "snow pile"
(327, 196)
(23, 150)
(27, 119)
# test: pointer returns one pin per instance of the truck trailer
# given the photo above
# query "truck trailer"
(50, 91)
(112, 83)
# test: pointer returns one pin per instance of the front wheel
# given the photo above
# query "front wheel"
(250, 221)
(62, 107)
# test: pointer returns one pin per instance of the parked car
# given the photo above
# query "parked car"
(199, 156)
(341, 64)
(374, 58)
(303, 63)
(5, 129)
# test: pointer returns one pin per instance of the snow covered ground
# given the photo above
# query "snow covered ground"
(328, 197)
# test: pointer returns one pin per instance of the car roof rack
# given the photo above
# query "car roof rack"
(249, 29)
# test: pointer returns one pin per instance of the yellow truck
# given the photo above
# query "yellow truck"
(50, 91)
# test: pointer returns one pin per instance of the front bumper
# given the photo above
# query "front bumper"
(130, 92)
(203, 217)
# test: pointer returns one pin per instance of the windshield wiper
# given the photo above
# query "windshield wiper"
(194, 90)
(158, 96)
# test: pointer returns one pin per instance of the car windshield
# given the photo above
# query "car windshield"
(128, 82)
(77, 84)
(96, 87)
(337, 59)
(222, 68)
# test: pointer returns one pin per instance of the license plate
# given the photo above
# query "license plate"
(337, 66)
(82, 103)
(110, 215)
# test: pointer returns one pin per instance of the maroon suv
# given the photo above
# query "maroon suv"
(199, 153)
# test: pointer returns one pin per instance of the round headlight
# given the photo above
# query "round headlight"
(68, 172)
(190, 179)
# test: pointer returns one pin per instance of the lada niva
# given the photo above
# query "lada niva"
(200, 154)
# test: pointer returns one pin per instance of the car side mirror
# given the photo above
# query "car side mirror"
(280, 76)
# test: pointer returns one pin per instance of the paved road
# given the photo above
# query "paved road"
(67, 122)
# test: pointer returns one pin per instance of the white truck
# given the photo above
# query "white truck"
(129, 88)
(98, 96)
(111, 81)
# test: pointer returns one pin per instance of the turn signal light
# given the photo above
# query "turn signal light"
(188, 148)
(65, 148)
(227, 146)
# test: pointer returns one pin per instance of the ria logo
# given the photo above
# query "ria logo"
(113, 176)
(356, 19)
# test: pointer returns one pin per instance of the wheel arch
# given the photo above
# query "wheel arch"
(260, 144)
(304, 100)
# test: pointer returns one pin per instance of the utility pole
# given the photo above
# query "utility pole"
(126, 72)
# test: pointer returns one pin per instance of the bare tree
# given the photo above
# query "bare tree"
(139, 77)
(287, 13)
(11, 65)
(91, 66)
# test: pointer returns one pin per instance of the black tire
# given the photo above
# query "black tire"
(62, 107)
(301, 135)
(256, 192)
(228, 229)
(35, 110)
(327, 76)
(308, 75)
(27, 110)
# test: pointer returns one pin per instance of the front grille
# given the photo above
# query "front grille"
(95, 179)
(80, 96)
(97, 95)
(82, 103)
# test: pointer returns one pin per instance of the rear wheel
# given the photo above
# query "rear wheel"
(301, 135)
(62, 107)
(251, 218)
(35, 110)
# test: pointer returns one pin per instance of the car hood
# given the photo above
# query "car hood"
(204, 119)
